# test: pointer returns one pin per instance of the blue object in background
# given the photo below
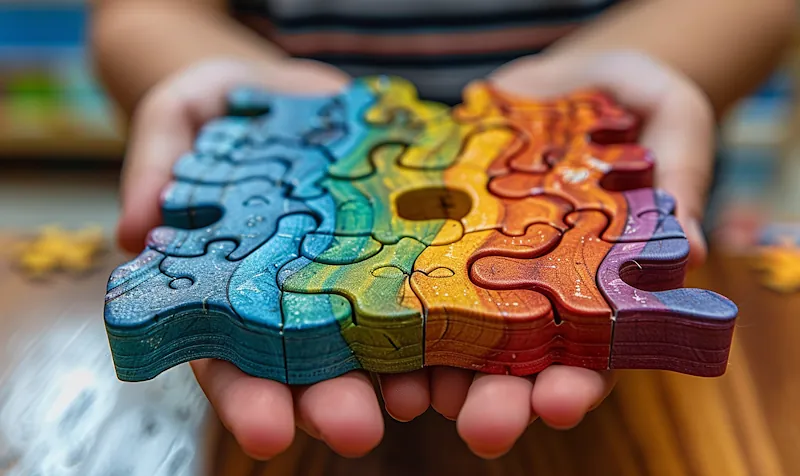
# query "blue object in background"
(41, 24)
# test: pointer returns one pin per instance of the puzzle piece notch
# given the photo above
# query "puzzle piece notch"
(242, 212)
(650, 217)
(339, 250)
(385, 192)
(580, 183)
(546, 128)
(594, 111)
(374, 117)
(684, 330)
(580, 170)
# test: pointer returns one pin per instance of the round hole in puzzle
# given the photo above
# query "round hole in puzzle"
(433, 203)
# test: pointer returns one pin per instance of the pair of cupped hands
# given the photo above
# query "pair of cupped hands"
(491, 411)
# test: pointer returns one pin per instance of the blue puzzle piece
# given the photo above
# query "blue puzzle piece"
(315, 347)
(165, 311)
(245, 212)
(222, 136)
(282, 117)
(162, 311)
(300, 168)
(254, 290)
(218, 170)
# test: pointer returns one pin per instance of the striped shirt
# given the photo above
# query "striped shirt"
(440, 45)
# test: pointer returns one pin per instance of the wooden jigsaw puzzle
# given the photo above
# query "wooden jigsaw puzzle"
(305, 237)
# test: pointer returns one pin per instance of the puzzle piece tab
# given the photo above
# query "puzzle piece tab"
(567, 276)
(493, 331)
(658, 324)
(306, 237)
(387, 319)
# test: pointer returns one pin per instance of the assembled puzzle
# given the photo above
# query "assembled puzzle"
(305, 237)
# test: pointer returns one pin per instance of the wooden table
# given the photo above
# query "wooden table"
(655, 423)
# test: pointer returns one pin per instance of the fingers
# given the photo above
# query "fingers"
(563, 395)
(449, 387)
(257, 412)
(160, 133)
(496, 412)
(406, 396)
(343, 412)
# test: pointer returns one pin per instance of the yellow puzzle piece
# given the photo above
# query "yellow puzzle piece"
(781, 266)
(57, 249)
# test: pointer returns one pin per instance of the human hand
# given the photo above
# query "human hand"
(492, 411)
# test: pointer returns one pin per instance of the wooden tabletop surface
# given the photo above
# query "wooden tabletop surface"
(654, 423)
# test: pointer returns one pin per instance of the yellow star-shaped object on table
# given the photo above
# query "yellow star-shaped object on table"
(57, 249)
(780, 264)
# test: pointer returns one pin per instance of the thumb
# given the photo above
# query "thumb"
(161, 131)
(680, 132)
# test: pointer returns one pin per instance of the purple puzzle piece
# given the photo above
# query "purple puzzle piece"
(650, 218)
(657, 326)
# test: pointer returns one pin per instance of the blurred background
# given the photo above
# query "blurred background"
(62, 411)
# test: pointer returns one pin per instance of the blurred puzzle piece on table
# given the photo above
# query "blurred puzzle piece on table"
(778, 258)
(56, 249)
(308, 237)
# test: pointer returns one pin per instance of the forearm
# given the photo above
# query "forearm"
(138, 43)
(727, 47)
